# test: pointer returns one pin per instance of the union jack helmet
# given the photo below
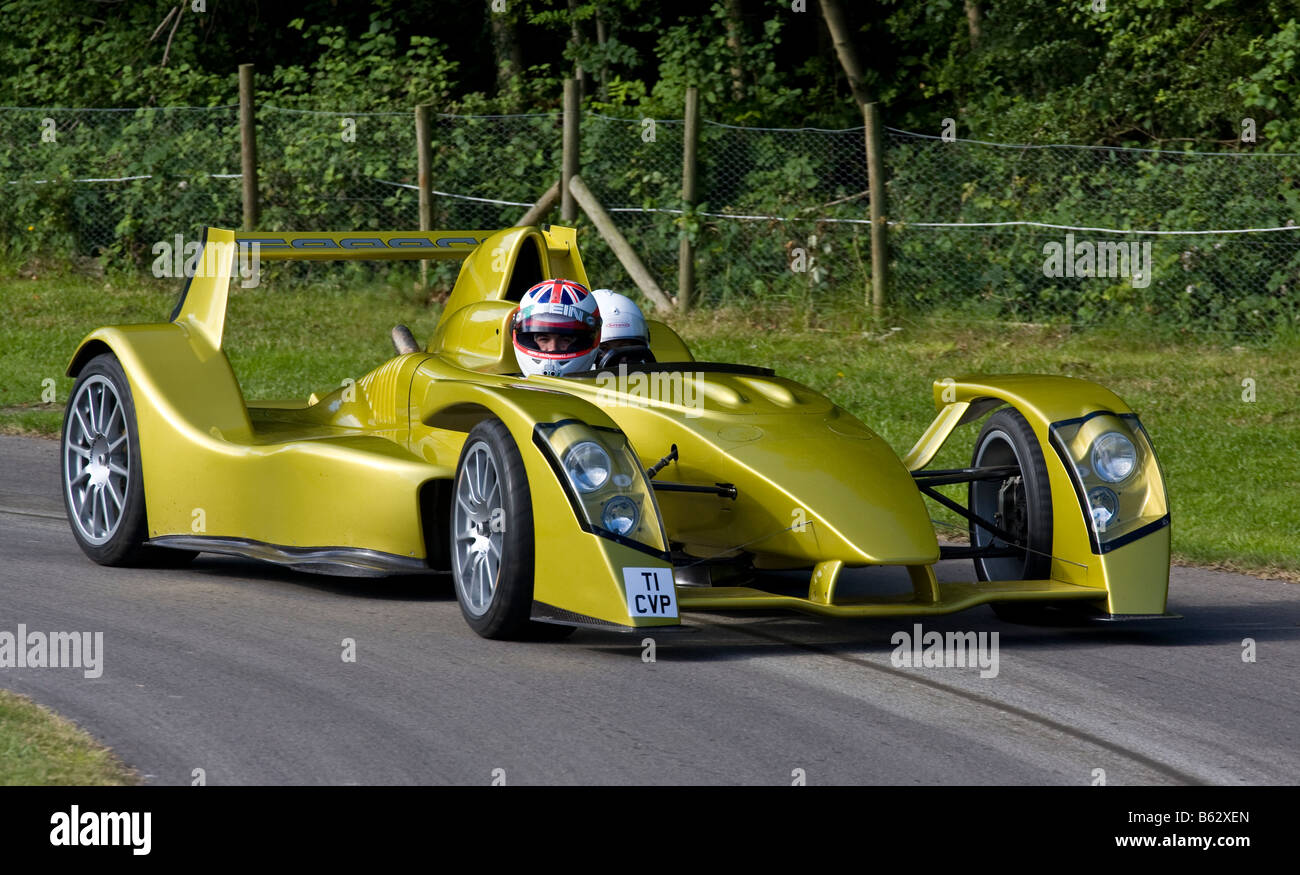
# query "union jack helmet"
(556, 329)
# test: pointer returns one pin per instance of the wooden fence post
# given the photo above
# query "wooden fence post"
(424, 179)
(571, 144)
(879, 224)
(686, 250)
(248, 146)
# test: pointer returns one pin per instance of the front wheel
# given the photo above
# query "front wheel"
(1020, 504)
(492, 537)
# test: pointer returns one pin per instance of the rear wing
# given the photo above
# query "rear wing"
(329, 245)
(499, 264)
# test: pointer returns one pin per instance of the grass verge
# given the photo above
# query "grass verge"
(39, 748)
(1230, 462)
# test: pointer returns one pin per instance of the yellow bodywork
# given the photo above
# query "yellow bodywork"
(357, 480)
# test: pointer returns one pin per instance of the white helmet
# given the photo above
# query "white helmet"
(620, 317)
(556, 329)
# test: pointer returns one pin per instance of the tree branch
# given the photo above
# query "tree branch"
(164, 24)
(181, 10)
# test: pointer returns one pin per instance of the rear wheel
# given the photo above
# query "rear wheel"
(492, 537)
(1020, 504)
(103, 483)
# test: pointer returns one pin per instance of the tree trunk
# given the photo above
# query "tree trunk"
(575, 40)
(839, 29)
(735, 42)
(603, 74)
(973, 21)
(506, 49)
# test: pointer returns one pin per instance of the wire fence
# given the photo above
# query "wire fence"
(1076, 235)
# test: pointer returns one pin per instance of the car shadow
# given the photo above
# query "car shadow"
(718, 637)
(430, 587)
(713, 636)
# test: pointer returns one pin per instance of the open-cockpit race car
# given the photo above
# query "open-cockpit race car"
(612, 498)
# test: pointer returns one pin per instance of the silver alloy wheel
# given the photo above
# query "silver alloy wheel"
(478, 519)
(96, 460)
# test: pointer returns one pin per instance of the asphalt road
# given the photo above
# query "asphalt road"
(236, 668)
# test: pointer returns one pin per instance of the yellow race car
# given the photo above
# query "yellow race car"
(612, 498)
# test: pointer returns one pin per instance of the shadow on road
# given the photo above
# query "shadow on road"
(411, 587)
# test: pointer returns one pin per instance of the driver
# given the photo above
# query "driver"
(622, 324)
(556, 329)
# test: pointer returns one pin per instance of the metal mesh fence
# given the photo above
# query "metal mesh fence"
(780, 213)
(322, 170)
(91, 179)
(1201, 241)
(763, 203)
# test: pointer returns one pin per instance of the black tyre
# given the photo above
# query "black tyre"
(492, 537)
(1020, 504)
(103, 482)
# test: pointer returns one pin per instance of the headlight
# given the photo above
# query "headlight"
(587, 465)
(1105, 505)
(1116, 476)
(1113, 457)
(605, 483)
(620, 515)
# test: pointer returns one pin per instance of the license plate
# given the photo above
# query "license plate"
(650, 592)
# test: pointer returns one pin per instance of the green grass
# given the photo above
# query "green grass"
(1233, 478)
(37, 747)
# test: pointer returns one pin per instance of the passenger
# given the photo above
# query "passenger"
(622, 324)
(624, 335)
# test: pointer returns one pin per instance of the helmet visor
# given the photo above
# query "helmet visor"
(550, 332)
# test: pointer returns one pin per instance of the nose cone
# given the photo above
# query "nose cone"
(814, 483)
(858, 501)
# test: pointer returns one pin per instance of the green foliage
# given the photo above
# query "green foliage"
(1237, 284)
(1143, 72)
(336, 85)
(1274, 88)
(373, 71)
